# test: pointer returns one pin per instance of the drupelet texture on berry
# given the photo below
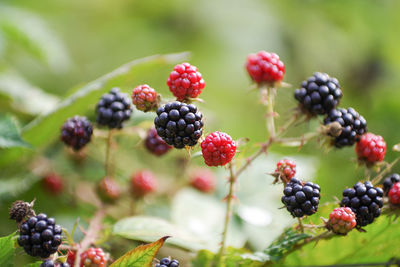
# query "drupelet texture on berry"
(179, 124)
(341, 220)
(76, 132)
(371, 148)
(265, 67)
(286, 169)
(365, 201)
(301, 198)
(94, 257)
(185, 82)
(203, 180)
(218, 149)
(53, 183)
(155, 144)
(113, 109)
(353, 126)
(20, 210)
(143, 182)
(168, 262)
(319, 94)
(390, 181)
(40, 236)
(145, 98)
(394, 194)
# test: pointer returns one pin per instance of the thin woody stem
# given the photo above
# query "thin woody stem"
(107, 163)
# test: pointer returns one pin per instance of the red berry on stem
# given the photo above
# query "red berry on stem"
(155, 144)
(342, 220)
(93, 257)
(218, 149)
(185, 82)
(203, 180)
(371, 148)
(394, 194)
(265, 67)
(108, 189)
(71, 257)
(145, 98)
(143, 182)
(53, 183)
(286, 169)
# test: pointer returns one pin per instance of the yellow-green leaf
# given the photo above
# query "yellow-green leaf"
(142, 256)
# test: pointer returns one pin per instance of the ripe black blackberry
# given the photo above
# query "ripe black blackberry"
(40, 236)
(167, 262)
(50, 263)
(76, 132)
(113, 109)
(301, 198)
(353, 126)
(319, 94)
(390, 181)
(365, 201)
(179, 124)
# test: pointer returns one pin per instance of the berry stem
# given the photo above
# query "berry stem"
(228, 215)
(268, 99)
(387, 169)
(301, 225)
(107, 164)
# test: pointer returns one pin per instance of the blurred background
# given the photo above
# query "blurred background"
(48, 49)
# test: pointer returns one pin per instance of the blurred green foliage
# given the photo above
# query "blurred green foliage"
(48, 47)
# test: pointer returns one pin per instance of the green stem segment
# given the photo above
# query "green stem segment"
(228, 214)
(107, 164)
(269, 100)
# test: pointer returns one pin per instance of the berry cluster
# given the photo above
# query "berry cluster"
(353, 126)
(53, 183)
(185, 82)
(301, 198)
(365, 201)
(319, 94)
(155, 144)
(143, 183)
(179, 124)
(286, 169)
(108, 189)
(51, 263)
(218, 149)
(40, 236)
(167, 262)
(93, 257)
(76, 132)
(371, 148)
(390, 181)
(394, 194)
(341, 220)
(113, 109)
(145, 98)
(265, 67)
(203, 180)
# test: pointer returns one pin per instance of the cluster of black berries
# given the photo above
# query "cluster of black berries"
(390, 181)
(51, 263)
(319, 94)
(113, 109)
(167, 262)
(40, 236)
(76, 132)
(365, 201)
(353, 126)
(179, 124)
(301, 198)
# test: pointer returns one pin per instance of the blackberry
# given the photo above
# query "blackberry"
(353, 126)
(20, 210)
(179, 124)
(76, 132)
(319, 94)
(301, 198)
(365, 201)
(113, 109)
(155, 144)
(40, 236)
(50, 263)
(167, 262)
(390, 181)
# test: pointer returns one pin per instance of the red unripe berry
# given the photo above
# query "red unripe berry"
(71, 257)
(342, 220)
(155, 144)
(203, 180)
(108, 189)
(143, 182)
(185, 82)
(265, 67)
(218, 149)
(286, 169)
(145, 98)
(53, 183)
(371, 148)
(394, 194)
(93, 257)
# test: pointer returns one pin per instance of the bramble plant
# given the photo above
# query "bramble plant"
(178, 124)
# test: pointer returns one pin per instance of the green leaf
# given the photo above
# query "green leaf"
(35, 264)
(10, 188)
(9, 133)
(141, 256)
(7, 249)
(148, 229)
(234, 257)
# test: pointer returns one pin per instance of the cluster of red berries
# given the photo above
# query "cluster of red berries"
(92, 257)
